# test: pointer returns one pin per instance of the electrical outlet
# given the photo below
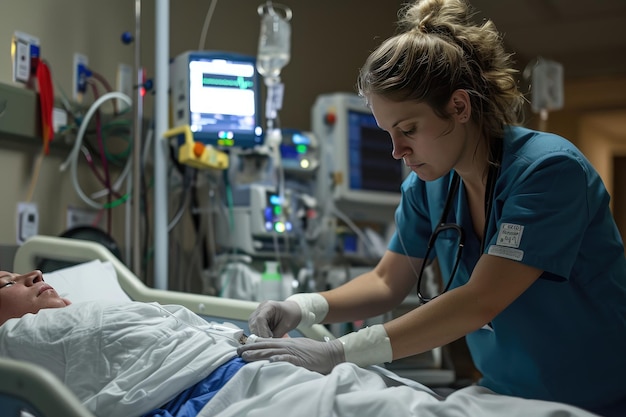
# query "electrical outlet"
(27, 221)
(124, 84)
(81, 217)
(24, 48)
(81, 73)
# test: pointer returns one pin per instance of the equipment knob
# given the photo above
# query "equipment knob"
(198, 149)
(127, 38)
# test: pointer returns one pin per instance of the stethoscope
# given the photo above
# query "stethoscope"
(442, 225)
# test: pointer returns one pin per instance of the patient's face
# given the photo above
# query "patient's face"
(26, 293)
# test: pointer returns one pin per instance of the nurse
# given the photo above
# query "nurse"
(532, 262)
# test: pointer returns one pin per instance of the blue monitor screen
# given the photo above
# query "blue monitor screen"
(224, 100)
(371, 166)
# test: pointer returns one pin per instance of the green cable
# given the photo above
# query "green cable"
(116, 203)
(124, 153)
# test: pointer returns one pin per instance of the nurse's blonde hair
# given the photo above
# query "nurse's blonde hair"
(438, 50)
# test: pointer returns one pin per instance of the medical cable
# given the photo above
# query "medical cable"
(102, 80)
(39, 161)
(35, 176)
(369, 247)
(117, 185)
(184, 203)
(103, 159)
(205, 26)
(199, 215)
(145, 249)
(496, 151)
(72, 159)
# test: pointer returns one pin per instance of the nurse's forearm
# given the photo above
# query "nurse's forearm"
(437, 323)
(364, 297)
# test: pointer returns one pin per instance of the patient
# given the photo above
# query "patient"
(28, 293)
(145, 359)
(119, 359)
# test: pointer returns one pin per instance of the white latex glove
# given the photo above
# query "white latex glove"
(368, 346)
(316, 356)
(276, 318)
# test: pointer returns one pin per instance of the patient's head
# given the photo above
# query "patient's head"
(26, 293)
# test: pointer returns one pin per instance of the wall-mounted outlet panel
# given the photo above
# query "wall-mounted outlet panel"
(77, 216)
(27, 221)
(80, 74)
(20, 117)
(24, 48)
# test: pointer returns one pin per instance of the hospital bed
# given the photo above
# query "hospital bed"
(27, 390)
(19, 380)
(37, 248)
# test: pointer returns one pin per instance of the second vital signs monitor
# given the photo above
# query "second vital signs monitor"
(356, 154)
(217, 95)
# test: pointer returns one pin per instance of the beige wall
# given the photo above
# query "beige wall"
(330, 40)
(594, 118)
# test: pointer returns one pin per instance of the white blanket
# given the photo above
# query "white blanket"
(281, 389)
(119, 359)
(127, 359)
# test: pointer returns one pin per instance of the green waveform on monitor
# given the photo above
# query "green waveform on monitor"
(239, 82)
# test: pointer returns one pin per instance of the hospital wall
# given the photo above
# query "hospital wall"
(330, 41)
(594, 118)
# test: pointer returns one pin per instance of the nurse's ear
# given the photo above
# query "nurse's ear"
(460, 106)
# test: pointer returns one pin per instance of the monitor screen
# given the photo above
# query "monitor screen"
(222, 102)
(357, 168)
(370, 164)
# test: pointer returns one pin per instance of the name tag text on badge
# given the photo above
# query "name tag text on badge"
(510, 235)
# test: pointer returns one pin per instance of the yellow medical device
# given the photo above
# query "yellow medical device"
(195, 153)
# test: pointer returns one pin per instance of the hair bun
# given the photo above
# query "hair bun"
(434, 16)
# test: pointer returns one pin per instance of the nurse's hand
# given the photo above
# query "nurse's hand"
(316, 356)
(275, 318)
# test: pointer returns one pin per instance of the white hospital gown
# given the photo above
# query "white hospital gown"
(119, 359)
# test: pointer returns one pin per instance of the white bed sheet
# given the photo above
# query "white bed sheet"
(264, 389)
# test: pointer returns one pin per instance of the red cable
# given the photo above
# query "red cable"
(46, 100)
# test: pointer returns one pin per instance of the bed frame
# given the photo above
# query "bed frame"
(27, 390)
(76, 250)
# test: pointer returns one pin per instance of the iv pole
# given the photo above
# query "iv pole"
(137, 129)
(161, 73)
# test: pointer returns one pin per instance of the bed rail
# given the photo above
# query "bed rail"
(77, 250)
(28, 390)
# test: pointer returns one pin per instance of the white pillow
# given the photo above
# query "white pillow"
(90, 281)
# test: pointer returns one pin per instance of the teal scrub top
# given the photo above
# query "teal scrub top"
(564, 339)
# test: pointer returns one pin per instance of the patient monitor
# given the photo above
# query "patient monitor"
(359, 181)
(360, 174)
(217, 95)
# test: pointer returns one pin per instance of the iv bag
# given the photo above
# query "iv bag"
(274, 41)
(547, 86)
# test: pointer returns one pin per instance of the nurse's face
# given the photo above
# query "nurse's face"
(26, 293)
(429, 145)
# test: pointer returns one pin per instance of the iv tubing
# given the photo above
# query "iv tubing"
(72, 159)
